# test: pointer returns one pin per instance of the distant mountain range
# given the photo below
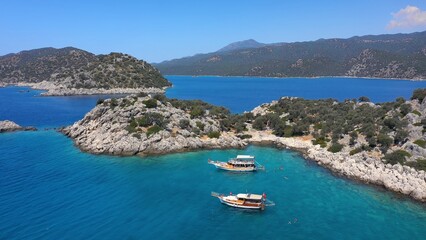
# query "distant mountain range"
(76, 68)
(382, 56)
(242, 45)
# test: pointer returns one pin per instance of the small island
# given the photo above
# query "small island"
(382, 144)
(9, 126)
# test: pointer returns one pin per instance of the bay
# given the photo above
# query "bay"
(49, 189)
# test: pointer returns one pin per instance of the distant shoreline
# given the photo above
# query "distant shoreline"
(51, 89)
(318, 77)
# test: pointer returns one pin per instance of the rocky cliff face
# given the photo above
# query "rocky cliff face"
(131, 125)
(71, 68)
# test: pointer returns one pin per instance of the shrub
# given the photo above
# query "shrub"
(153, 130)
(421, 143)
(150, 103)
(196, 112)
(200, 125)
(288, 131)
(225, 124)
(219, 111)
(213, 134)
(100, 101)
(384, 140)
(336, 147)
(133, 123)
(244, 136)
(399, 100)
(137, 135)
(392, 123)
(318, 126)
(151, 118)
(184, 123)
(240, 127)
(160, 97)
(417, 113)
(196, 131)
(130, 129)
(419, 164)
(363, 99)
(372, 142)
(248, 116)
(400, 137)
(259, 123)
(142, 94)
(354, 137)
(419, 94)
(397, 156)
(113, 103)
(321, 141)
(355, 151)
(405, 109)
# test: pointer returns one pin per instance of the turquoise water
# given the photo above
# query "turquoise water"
(244, 93)
(51, 190)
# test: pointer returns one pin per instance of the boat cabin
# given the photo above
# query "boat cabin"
(255, 198)
(243, 161)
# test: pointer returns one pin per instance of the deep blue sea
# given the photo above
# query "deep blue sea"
(51, 190)
(241, 94)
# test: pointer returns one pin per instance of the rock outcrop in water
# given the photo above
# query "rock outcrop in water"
(9, 126)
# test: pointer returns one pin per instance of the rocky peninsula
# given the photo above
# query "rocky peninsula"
(145, 125)
(9, 126)
(388, 151)
(56, 89)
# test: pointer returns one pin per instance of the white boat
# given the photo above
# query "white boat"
(244, 200)
(242, 163)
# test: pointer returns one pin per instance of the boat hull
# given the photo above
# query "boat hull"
(235, 205)
(224, 166)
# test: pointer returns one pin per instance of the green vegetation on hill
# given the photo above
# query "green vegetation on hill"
(76, 68)
(385, 56)
(390, 130)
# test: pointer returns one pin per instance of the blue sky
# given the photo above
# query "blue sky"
(162, 30)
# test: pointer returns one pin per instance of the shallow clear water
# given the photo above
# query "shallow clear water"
(241, 94)
(51, 190)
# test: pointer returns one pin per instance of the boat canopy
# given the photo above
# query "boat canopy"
(245, 157)
(249, 196)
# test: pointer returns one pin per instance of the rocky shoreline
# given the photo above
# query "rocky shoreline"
(9, 126)
(53, 89)
(361, 166)
(105, 130)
